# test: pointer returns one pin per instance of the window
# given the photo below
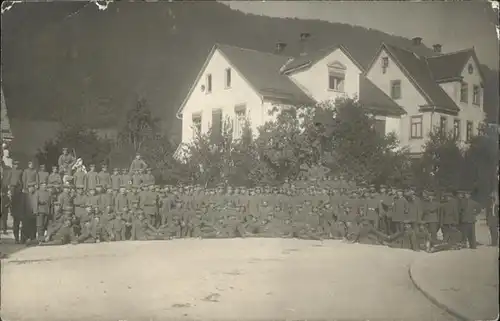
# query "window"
(240, 115)
(379, 127)
(228, 78)
(216, 125)
(468, 133)
(336, 76)
(396, 89)
(209, 83)
(336, 81)
(416, 127)
(464, 92)
(196, 124)
(456, 129)
(443, 122)
(385, 64)
(476, 95)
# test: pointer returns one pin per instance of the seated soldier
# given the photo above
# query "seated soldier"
(90, 230)
(62, 235)
(367, 233)
(405, 239)
(142, 230)
(116, 227)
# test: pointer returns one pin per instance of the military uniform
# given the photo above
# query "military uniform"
(431, 216)
(80, 201)
(137, 164)
(43, 175)
(29, 215)
(116, 180)
(469, 209)
(65, 161)
(149, 204)
(80, 178)
(104, 178)
(42, 209)
(54, 180)
(121, 201)
(92, 178)
(450, 218)
(126, 179)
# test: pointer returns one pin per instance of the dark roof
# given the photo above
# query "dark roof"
(449, 66)
(262, 71)
(371, 97)
(311, 58)
(419, 72)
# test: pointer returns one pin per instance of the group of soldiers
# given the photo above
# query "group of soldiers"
(126, 204)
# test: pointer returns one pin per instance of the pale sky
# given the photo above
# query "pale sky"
(455, 25)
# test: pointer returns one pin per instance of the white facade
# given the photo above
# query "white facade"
(410, 99)
(202, 102)
(315, 79)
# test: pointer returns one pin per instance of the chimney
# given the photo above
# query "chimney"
(280, 46)
(417, 41)
(437, 48)
(303, 42)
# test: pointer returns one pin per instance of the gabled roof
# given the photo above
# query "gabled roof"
(419, 73)
(371, 97)
(262, 71)
(309, 59)
(6, 132)
(450, 66)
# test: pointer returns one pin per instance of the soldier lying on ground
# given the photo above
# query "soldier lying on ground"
(62, 234)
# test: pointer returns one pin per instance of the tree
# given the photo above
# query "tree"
(441, 162)
(82, 141)
(140, 125)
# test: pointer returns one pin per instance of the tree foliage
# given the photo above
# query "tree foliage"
(81, 141)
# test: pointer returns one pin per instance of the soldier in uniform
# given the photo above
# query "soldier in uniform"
(43, 175)
(92, 178)
(148, 177)
(28, 232)
(54, 180)
(400, 211)
(42, 209)
(106, 205)
(104, 177)
(137, 164)
(13, 182)
(431, 215)
(450, 219)
(94, 199)
(65, 161)
(492, 217)
(116, 227)
(122, 200)
(90, 230)
(116, 180)
(149, 204)
(80, 178)
(137, 179)
(61, 230)
(126, 178)
(80, 201)
(385, 210)
(469, 209)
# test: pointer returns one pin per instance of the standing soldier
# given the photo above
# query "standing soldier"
(385, 210)
(166, 204)
(13, 182)
(469, 211)
(137, 179)
(28, 233)
(450, 218)
(43, 175)
(30, 176)
(115, 180)
(42, 209)
(66, 200)
(94, 199)
(106, 204)
(431, 211)
(122, 200)
(149, 202)
(137, 164)
(104, 177)
(55, 180)
(492, 217)
(80, 201)
(148, 177)
(400, 211)
(80, 178)
(65, 161)
(414, 209)
(92, 178)
(134, 194)
(126, 178)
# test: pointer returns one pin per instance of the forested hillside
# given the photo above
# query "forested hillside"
(94, 64)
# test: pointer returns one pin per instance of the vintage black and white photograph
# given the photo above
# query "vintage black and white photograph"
(249, 160)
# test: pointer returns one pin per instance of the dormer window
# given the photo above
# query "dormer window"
(336, 76)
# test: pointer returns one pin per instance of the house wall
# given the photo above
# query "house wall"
(314, 80)
(410, 100)
(222, 98)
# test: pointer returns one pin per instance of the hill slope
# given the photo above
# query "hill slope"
(93, 65)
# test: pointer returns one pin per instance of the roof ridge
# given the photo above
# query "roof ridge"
(254, 50)
(451, 53)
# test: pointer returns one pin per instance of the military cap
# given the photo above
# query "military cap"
(32, 184)
(15, 162)
(68, 209)
(56, 202)
(98, 185)
(65, 148)
(135, 201)
(43, 183)
(54, 167)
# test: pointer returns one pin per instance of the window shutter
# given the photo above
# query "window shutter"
(217, 125)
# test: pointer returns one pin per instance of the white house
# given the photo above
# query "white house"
(408, 93)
